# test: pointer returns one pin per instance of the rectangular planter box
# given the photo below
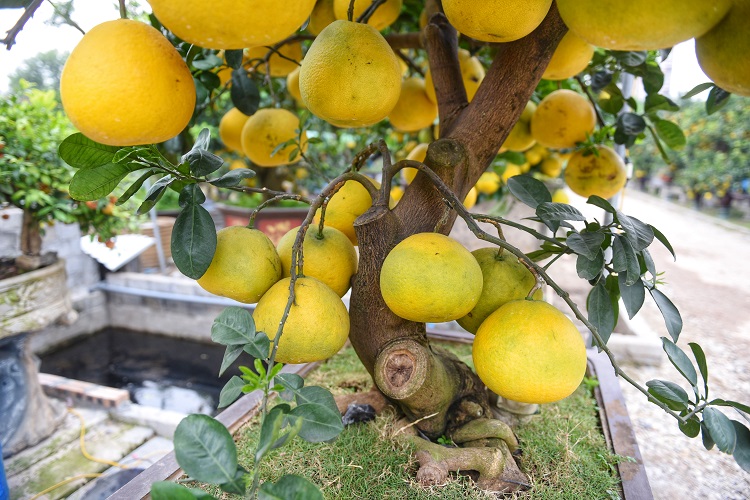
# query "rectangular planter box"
(274, 222)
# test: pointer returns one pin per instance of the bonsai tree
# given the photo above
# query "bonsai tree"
(481, 70)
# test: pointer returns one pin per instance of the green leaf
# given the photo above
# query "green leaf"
(209, 62)
(733, 404)
(632, 295)
(549, 211)
(698, 89)
(708, 442)
(631, 123)
(238, 485)
(167, 490)
(79, 151)
(647, 264)
(93, 183)
(624, 256)
(203, 140)
(202, 162)
(700, 358)
(530, 191)
(291, 382)
(658, 102)
(672, 317)
(691, 428)
(205, 450)
(671, 134)
(742, 447)
(193, 239)
(653, 78)
(233, 326)
(600, 202)
(721, 429)
(717, 99)
(191, 195)
(586, 244)
(680, 361)
(590, 269)
(663, 240)
(639, 234)
(244, 93)
(231, 354)
(233, 177)
(135, 187)
(154, 194)
(209, 80)
(601, 314)
(668, 393)
(231, 391)
(513, 157)
(234, 58)
(319, 422)
(630, 58)
(289, 487)
(259, 347)
(270, 430)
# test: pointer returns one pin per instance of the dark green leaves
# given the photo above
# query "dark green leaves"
(717, 99)
(700, 358)
(551, 214)
(742, 446)
(233, 58)
(202, 162)
(632, 295)
(601, 312)
(672, 317)
(670, 133)
(94, 182)
(639, 234)
(233, 326)
(668, 393)
(193, 235)
(590, 269)
(680, 361)
(625, 260)
(245, 94)
(231, 391)
(205, 450)
(233, 177)
(167, 490)
(79, 151)
(721, 429)
(663, 240)
(289, 487)
(317, 411)
(529, 190)
(698, 89)
(586, 244)
(630, 58)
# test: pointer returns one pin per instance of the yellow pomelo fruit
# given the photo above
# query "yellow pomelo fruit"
(723, 51)
(330, 257)
(530, 352)
(562, 119)
(230, 129)
(265, 131)
(472, 73)
(322, 15)
(511, 170)
(292, 85)
(496, 20)
(471, 198)
(226, 24)
(571, 57)
(279, 66)
(244, 266)
(488, 183)
(383, 17)
(414, 110)
(520, 138)
(124, 84)
(351, 77)
(317, 326)
(602, 174)
(237, 164)
(560, 196)
(430, 278)
(552, 166)
(349, 202)
(419, 153)
(504, 278)
(641, 24)
(532, 157)
(397, 192)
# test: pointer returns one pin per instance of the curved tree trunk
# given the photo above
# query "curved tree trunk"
(425, 382)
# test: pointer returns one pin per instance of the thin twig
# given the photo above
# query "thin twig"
(409, 62)
(10, 38)
(271, 201)
(66, 17)
(587, 90)
(367, 14)
(412, 424)
(350, 11)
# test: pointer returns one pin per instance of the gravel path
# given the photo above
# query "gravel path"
(710, 285)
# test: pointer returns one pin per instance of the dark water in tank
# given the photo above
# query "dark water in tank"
(158, 371)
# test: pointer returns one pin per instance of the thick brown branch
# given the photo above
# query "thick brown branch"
(441, 41)
(404, 40)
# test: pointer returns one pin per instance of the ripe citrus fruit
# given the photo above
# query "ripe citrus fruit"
(317, 326)
(429, 277)
(504, 278)
(230, 129)
(562, 119)
(488, 183)
(602, 174)
(571, 56)
(351, 77)
(397, 192)
(471, 198)
(322, 15)
(640, 24)
(722, 52)
(520, 138)
(292, 85)
(552, 166)
(414, 110)
(511, 170)
(280, 65)
(349, 202)
(244, 266)
(560, 196)
(383, 17)
(530, 352)
(330, 257)
(496, 20)
(124, 84)
(419, 153)
(265, 131)
(226, 24)
(472, 73)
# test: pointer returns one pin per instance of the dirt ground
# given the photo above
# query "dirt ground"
(710, 284)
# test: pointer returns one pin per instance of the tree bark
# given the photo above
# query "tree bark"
(432, 387)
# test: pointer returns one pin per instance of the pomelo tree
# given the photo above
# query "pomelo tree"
(483, 62)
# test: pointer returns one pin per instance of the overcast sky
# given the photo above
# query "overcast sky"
(38, 37)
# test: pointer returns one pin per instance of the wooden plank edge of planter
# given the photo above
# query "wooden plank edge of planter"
(233, 417)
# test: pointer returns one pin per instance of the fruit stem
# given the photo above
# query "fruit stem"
(350, 11)
(276, 198)
(587, 91)
(365, 17)
(123, 10)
